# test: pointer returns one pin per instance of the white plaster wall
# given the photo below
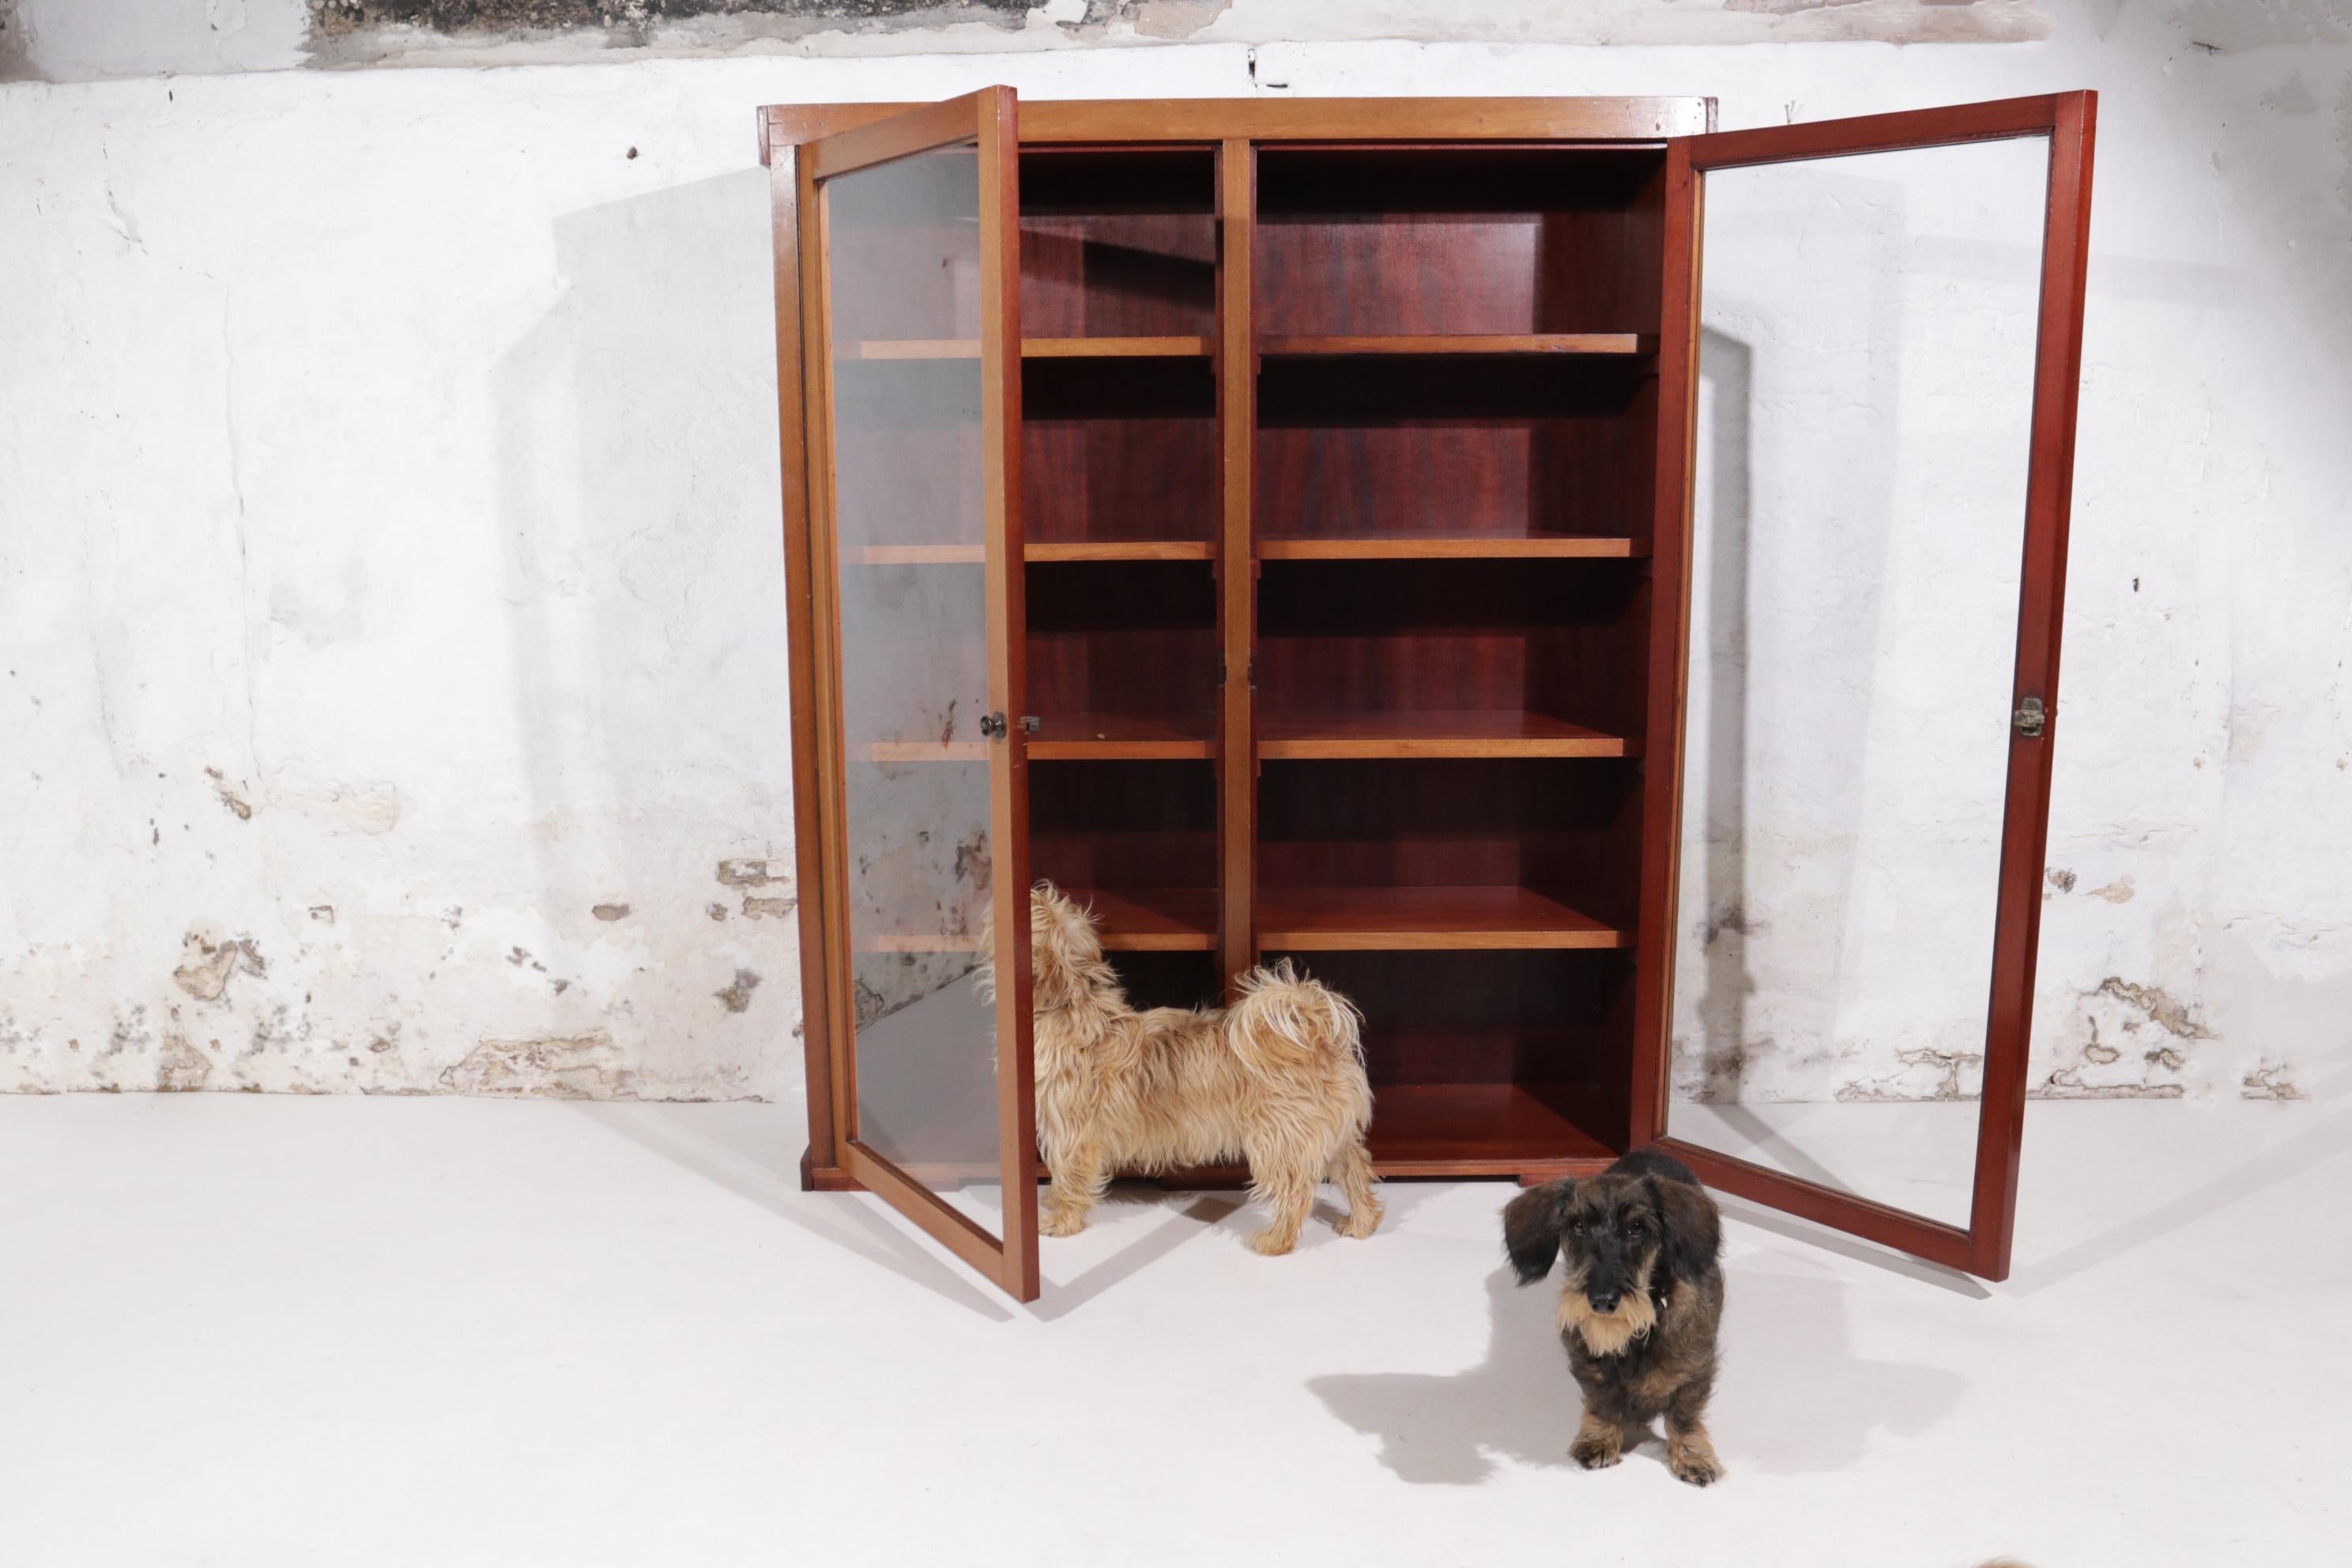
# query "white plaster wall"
(389, 575)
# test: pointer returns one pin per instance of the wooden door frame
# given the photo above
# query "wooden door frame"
(988, 119)
(2069, 120)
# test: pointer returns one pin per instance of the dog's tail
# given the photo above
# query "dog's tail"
(1283, 1022)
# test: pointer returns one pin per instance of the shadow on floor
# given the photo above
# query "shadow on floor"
(1805, 1404)
(734, 1146)
(2278, 1166)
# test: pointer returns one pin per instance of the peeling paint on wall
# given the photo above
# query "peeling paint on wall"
(578, 1066)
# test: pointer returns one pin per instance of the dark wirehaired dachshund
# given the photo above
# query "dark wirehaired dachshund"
(1639, 1304)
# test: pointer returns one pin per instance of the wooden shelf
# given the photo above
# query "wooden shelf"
(1396, 920)
(1067, 737)
(1300, 737)
(1035, 553)
(1032, 348)
(1121, 737)
(1452, 547)
(1483, 1129)
(1150, 919)
(1621, 345)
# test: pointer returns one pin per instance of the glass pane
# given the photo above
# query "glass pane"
(1866, 378)
(903, 262)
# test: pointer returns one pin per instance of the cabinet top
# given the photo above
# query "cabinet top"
(1293, 120)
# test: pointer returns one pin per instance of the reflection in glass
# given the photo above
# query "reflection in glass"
(903, 263)
(1867, 373)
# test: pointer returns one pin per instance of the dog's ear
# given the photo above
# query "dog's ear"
(1531, 1224)
(1690, 1234)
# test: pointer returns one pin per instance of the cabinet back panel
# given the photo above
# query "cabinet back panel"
(1123, 638)
(1571, 827)
(1559, 637)
(1118, 242)
(1483, 1018)
(1467, 444)
(1369, 240)
(1124, 825)
(1167, 979)
(1119, 449)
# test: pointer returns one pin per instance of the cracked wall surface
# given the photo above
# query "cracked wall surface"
(392, 687)
(79, 40)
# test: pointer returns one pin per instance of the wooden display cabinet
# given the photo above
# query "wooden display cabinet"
(1272, 522)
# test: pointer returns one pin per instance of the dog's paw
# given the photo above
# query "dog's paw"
(1360, 1223)
(1595, 1453)
(1060, 1221)
(1693, 1463)
(1272, 1243)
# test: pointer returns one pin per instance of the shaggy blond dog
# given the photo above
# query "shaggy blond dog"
(1277, 1080)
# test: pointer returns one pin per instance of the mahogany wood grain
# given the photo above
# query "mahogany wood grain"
(1988, 121)
(1504, 242)
(1488, 344)
(915, 1195)
(917, 129)
(1297, 120)
(1450, 547)
(1651, 1053)
(1237, 573)
(1334, 734)
(1392, 919)
(1121, 825)
(1568, 827)
(808, 821)
(2049, 504)
(1481, 1130)
(1124, 449)
(832, 905)
(1524, 446)
(1008, 806)
(1905, 1232)
(1132, 645)
(1187, 347)
(1037, 553)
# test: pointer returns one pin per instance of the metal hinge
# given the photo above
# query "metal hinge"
(1029, 723)
(2029, 718)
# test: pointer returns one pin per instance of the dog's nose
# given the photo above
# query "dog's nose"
(1603, 1303)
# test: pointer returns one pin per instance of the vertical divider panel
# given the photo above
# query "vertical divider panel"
(1237, 560)
(1662, 759)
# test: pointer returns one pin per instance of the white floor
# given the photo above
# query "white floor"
(253, 1330)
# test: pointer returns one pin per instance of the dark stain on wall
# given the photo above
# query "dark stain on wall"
(639, 18)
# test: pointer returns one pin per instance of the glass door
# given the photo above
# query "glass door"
(910, 264)
(1880, 353)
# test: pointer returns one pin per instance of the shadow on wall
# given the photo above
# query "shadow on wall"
(644, 578)
(1521, 1405)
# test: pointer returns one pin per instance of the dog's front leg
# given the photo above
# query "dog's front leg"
(1690, 1452)
(1600, 1442)
(1079, 1177)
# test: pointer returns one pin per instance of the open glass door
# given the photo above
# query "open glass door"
(910, 231)
(1882, 364)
